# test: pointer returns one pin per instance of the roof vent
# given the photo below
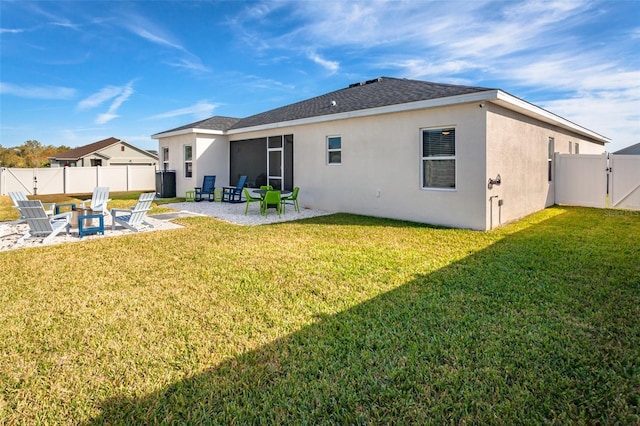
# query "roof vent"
(356, 84)
(375, 80)
(333, 103)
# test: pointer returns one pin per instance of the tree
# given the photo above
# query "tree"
(32, 154)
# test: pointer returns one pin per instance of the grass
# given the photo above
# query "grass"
(337, 319)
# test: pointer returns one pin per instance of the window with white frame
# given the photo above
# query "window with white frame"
(577, 151)
(188, 161)
(165, 158)
(334, 150)
(439, 158)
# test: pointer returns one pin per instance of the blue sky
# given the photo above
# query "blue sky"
(75, 72)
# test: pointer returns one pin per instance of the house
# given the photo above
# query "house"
(451, 155)
(630, 150)
(107, 152)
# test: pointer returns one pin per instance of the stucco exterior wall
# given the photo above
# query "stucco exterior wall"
(517, 149)
(115, 156)
(210, 157)
(380, 174)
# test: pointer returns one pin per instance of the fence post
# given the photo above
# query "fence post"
(555, 177)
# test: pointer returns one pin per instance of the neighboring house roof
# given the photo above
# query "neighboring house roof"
(93, 148)
(377, 96)
(630, 150)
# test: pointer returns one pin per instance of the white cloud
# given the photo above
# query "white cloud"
(199, 111)
(193, 64)
(100, 97)
(37, 92)
(119, 94)
(11, 30)
(332, 66)
(617, 118)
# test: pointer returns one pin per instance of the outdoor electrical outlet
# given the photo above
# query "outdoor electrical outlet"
(378, 193)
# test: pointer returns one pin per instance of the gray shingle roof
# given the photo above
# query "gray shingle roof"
(379, 92)
(213, 123)
(383, 91)
(630, 150)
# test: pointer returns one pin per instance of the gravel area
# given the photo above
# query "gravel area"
(10, 232)
(234, 212)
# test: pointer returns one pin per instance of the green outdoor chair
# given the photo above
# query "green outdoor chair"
(271, 198)
(266, 188)
(250, 199)
(291, 199)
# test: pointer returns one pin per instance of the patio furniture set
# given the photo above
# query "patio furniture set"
(266, 195)
(45, 220)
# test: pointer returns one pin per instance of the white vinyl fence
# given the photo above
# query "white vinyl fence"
(74, 180)
(605, 180)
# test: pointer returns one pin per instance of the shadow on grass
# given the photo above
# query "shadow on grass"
(540, 327)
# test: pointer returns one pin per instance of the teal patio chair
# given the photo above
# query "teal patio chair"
(208, 188)
(233, 194)
(271, 198)
(250, 199)
(291, 199)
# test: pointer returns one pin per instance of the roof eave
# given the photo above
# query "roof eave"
(187, 132)
(409, 106)
(523, 107)
(497, 96)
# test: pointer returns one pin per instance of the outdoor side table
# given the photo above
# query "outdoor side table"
(217, 195)
(72, 205)
(190, 195)
(82, 230)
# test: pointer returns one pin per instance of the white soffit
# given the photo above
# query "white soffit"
(186, 132)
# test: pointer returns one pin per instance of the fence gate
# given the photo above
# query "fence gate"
(605, 180)
(624, 183)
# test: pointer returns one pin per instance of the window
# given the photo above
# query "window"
(439, 158)
(165, 158)
(577, 148)
(334, 150)
(96, 162)
(550, 158)
(188, 161)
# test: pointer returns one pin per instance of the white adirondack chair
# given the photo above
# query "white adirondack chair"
(135, 216)
(40, 224)
(21, 196)
(98, 201)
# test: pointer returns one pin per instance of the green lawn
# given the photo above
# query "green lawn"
(339, 319)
